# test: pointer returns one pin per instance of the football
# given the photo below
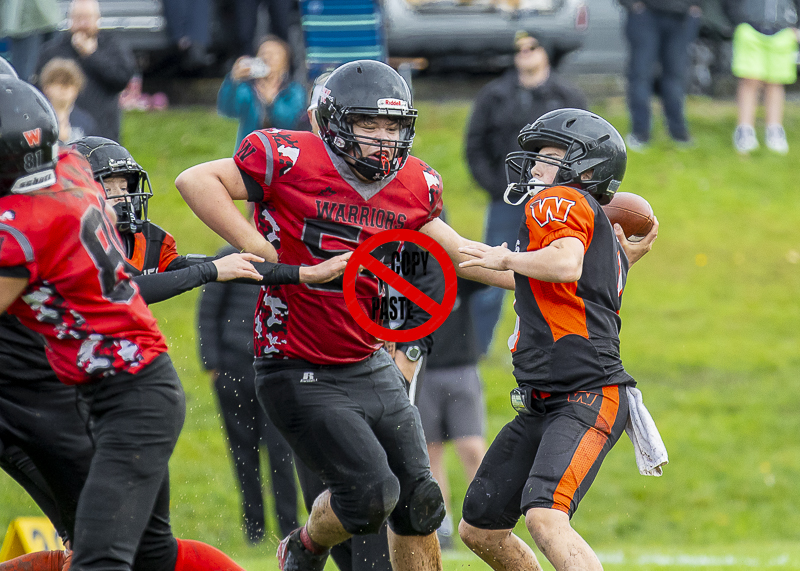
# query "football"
(632, 212)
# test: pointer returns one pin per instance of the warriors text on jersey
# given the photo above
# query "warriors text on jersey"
(567, 334)
(79, 297)
(310, 213)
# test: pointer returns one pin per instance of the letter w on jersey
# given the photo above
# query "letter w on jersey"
(550, 209)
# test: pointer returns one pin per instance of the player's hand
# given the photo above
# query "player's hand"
(489, 257)
(325, 271)
(635, 250)
(406, 367)
(235, 266)
(391, 347)
(213, 374)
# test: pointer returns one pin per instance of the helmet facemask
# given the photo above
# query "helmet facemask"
(575, 162)
(391, 154)
(130, 207)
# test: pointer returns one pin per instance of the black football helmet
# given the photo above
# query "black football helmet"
(590, 142)
(28, 137)
(7, 69)
(110, 159)
(366, 88)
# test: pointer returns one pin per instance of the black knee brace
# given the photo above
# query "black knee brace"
(364, 509)
(422, 511)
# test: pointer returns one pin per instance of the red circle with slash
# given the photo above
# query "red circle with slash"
(438, 311)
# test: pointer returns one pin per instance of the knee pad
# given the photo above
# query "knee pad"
(422, 511)
(366, 505)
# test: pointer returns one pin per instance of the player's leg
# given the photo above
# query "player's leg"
(492, 503)
(53, 462)
(136, 420)
(582, 429)
(413, 544)
(331, 434)
(311, 487)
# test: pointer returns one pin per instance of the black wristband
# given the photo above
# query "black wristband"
(274, 274)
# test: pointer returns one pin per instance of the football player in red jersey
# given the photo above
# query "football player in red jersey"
(101, 338)
(339, 401)
(570, 267)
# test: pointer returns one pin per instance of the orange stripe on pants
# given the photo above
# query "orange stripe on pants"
(588, 450)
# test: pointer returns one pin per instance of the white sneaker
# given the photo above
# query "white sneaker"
(776, 139)
(744, 139)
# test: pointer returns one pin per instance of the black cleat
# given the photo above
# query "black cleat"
(293, 556)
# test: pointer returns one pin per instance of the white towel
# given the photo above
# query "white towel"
(648, 447)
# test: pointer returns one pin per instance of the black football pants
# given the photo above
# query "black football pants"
(134, 421)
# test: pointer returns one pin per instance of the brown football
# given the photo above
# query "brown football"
(632, 212)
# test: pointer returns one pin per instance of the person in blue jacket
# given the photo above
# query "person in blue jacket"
(258, 91)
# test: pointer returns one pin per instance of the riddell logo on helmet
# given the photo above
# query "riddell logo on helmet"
(390, 103)
(33, 137)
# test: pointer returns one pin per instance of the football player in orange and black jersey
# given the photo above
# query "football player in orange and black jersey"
(339, 401)
(39, 428)
(570, 267)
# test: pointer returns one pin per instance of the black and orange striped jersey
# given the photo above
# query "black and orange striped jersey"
(152, 250)
(567, 334)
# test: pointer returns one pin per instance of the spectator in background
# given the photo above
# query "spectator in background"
(501, 109)
(659, 32)
(450, 401)
(246, 12)
(225, 327)
(61, 82)
(25, 22)
(764, 55)
(188, 23)
(107, 64)
(258, 91)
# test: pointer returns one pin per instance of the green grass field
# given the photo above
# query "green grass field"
(710, 332)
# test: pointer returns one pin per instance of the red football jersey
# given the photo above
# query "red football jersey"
(567, 334)
(79, 297)
(310, 214)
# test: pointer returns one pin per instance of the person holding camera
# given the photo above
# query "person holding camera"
(258, 91)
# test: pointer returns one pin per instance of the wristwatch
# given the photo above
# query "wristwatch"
(413, 353)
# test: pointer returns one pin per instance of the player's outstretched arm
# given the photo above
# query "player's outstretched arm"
(235, 266)
(324, 271)
(561, 261)
(635, 250)
(451, 241)
(210, 189)
(10, 290)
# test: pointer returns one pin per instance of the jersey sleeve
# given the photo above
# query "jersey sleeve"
(558, 212)
(16, 253)
(435, 188)
(168, 254)
(255, 159)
